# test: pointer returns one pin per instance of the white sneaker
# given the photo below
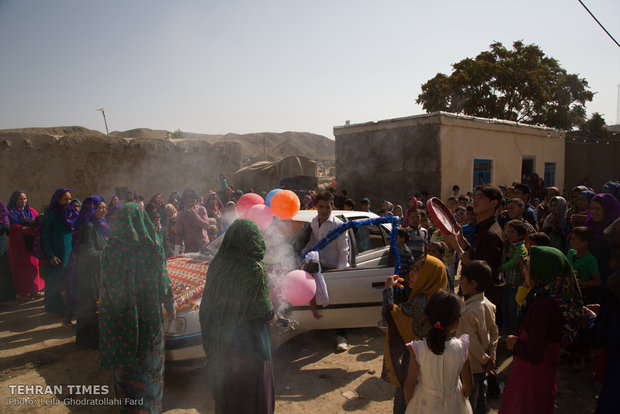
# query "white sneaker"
(341, 343)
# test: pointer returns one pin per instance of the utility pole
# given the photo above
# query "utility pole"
(105, 121)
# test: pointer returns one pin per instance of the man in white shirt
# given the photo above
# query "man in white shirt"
(336, 254)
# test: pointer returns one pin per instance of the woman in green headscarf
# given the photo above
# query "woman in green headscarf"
(134, 284)
(234, 312)
(548, 320)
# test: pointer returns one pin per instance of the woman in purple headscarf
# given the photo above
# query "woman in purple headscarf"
(24, 266)
(89, 238)
(604, 209)
(7, 288)
(58, 226)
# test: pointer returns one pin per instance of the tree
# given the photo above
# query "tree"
(522, 85)
(594, 127)
(177, 134)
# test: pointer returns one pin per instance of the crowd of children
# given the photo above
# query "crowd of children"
(549, 268)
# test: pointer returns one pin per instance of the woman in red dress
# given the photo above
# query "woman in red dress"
(24, 266)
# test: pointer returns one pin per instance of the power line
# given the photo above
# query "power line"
(599, 23)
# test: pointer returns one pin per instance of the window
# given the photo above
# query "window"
(482, 172)
(550, 174)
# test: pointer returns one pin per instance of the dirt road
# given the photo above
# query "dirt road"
(310, 377)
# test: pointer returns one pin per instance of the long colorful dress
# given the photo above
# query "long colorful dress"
(90, 237)
(233, 317)
(548, 320)
(134, 284)
(56, 237)
(24, 266)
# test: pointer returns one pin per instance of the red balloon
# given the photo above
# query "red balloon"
(334, 184)
(246, 202)
(285, 204)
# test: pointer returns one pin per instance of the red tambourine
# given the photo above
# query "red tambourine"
(441, 216)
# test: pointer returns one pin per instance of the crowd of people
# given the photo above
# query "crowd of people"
(536, 277)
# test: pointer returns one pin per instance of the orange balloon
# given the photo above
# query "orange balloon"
(285, 204)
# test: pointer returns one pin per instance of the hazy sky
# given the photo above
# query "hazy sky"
(254, 66)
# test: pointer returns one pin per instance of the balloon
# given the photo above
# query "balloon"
(246, 202)
(271, 194)
(298, 287)
(261, 214)
(285, 204)
(334, 184)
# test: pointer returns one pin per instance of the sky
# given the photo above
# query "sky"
(237, 66)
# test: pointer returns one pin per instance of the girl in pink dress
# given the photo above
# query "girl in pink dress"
(24, 266)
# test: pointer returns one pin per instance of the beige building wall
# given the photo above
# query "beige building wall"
(463, 139)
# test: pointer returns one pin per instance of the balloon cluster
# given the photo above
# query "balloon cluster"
(283, 204)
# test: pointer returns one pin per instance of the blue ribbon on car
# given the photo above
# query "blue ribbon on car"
(337, 232)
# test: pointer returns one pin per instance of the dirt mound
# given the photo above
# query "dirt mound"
(55, 131)
(142, 133)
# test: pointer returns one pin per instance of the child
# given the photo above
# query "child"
(425, 223)
(438, 249)
(470, 227)
(583, 262)
(461, 215)
(513, 274)
(586, 270)
(417, 235)
(449, 258)
(439, 360)
(406, 261)
(478, 321)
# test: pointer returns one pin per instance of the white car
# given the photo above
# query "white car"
(355, 293)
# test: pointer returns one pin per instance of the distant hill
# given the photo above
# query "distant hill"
(259, 146)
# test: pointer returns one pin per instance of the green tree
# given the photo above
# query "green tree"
(177, 134)
(594, 127)
(522, 84)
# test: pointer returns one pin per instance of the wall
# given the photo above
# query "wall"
(599, 162)
(39, 163)
(388, 160)
(505, 143)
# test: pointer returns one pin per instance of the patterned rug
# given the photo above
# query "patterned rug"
(187, 278)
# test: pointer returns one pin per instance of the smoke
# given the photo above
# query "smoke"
(280, 258)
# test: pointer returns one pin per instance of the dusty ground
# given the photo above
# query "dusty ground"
(310, 378)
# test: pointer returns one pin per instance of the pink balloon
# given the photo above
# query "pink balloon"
(298, 287)
(246, 202)
(261, 214)
(334, 184)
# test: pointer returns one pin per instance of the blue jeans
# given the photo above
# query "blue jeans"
(478, 396)
(510, 310)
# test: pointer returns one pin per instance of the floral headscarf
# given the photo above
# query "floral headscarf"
(552, 276)
(19, 215)
(134, 282)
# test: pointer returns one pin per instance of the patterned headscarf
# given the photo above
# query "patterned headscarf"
(611, 209)
(134, 282)
(67, 213)
(407, 322)
(18, 215)
(4, 215)
(552, 276)
(236, 290)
